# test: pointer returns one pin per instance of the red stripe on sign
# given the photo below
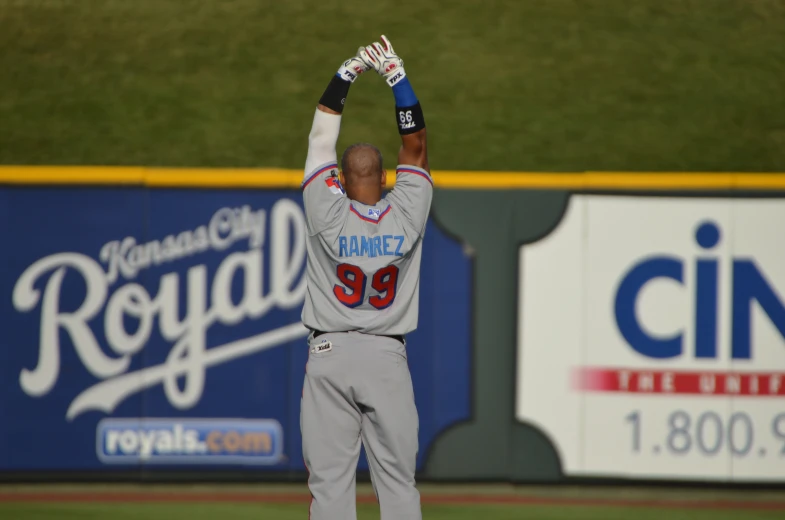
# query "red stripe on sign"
(678, 382)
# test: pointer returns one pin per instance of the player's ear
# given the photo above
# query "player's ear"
(341, 178)
(384, 178)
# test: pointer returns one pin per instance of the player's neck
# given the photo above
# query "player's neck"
(367, 198)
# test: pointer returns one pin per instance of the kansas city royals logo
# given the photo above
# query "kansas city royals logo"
(107, 349)
(334, 184)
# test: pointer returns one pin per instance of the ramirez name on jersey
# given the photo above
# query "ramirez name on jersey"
(370, 246)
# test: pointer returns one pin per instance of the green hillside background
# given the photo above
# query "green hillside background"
(556, 85)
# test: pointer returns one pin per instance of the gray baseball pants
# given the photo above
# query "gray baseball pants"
(358, 389)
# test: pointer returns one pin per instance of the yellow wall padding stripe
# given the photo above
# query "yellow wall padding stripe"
(476, 180)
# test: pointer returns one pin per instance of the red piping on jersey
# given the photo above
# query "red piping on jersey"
(321, 170)
(416, 172)
(368, 219)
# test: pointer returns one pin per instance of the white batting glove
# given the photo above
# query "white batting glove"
(353, 67)
(384, 61)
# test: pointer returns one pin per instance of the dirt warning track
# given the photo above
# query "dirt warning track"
(438, 499)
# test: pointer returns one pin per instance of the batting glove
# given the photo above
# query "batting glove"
(384, 61)
(353, 67)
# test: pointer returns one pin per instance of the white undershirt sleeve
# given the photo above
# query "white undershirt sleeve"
(322, 140)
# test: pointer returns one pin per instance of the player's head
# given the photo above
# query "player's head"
(362, 173)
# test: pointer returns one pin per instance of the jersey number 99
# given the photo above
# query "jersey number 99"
(384, 282)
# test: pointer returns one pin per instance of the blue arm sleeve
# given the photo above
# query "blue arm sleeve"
(404, 94)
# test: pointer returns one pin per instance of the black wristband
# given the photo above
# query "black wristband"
(335, 94)
(410, 119)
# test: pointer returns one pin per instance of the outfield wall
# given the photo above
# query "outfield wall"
(584, 325)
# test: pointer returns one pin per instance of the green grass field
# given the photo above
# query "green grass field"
(365, 512)
(242, 502)
(506, 85)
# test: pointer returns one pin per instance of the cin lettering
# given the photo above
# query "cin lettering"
(748, 285)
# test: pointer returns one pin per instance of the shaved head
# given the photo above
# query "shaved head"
(361, 163)
(362, 173)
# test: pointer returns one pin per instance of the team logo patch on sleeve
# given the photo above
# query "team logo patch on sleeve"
(334, 184)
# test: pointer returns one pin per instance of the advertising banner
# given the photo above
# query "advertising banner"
(652, 338)
(162, 328)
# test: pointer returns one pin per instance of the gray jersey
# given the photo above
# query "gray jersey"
(363, 269)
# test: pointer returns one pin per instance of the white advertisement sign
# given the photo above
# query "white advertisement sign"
(651, 338)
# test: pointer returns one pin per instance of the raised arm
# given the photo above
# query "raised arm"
(414, 150)
(413, 190)
(327, 120)
(323, 194)
(408, 112)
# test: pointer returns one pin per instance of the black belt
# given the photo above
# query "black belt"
(317, 333)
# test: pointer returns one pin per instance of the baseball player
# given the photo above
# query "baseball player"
(363, 274)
